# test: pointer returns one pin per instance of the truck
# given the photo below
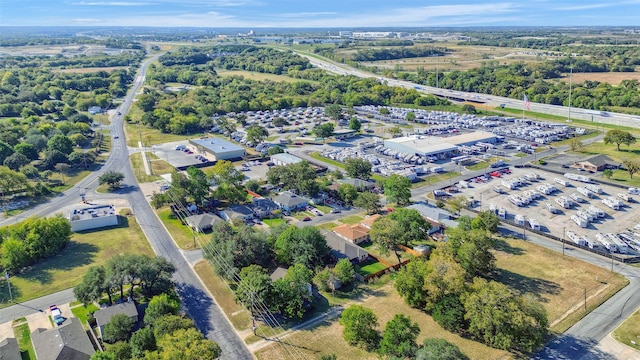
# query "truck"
(56, 314)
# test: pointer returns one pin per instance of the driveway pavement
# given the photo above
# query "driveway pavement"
(621, 351)
(39, 320)
(6, 330)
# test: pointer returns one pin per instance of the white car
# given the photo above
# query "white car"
(634, 191)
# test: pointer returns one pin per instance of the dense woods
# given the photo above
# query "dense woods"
(401, 53)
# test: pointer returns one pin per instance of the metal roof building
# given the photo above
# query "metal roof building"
(421, 145)
(221, 149)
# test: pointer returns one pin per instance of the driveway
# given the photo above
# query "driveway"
(6, 330)
(39, 320)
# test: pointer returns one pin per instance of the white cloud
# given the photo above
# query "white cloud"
(598, 5)
(305, 14)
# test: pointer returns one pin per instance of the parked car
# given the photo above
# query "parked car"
(306, 219)
(335, 211)
(56, 314)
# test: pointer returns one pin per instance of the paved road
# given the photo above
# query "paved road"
(36, 305)
(208, 317)
(570, 113)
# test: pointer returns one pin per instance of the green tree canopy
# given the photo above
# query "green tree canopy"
(357, 168)
(439, 349)
(355, 124)
(387, 234)
(111, 178)
(399, 339)
(256, 133)
(323, 131)
(118, 329)
(619, 137)
(306, 246)
(397, 188)
(368, 201)
(359, 327)
(348, 193)
(159, 306)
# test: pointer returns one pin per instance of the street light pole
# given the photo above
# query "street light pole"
(563, 233)
(6, 275)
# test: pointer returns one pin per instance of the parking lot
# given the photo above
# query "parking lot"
(616, 222)
(180, 158)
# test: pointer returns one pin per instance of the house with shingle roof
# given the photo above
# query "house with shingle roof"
(597, 163)
(103, 316)
(203, 222)
(343, 249)
(289, 201)
(9, 349)
(66, 342)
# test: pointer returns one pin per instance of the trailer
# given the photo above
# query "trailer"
(561, 181)
(592, 243)
(625, 197)
(515, 200)
(612, 203)
(534, 225)
(563, 203)
(606, 242)
(577, 198)
(519, 219)
(621, 246)
(595, 188)
(575, 238)
(580, 221)
(597, 210)
(509, 184)
(568, 200)
(502, 213)
(586, 192)
(552, 209)
(493, 208)
(585, 215)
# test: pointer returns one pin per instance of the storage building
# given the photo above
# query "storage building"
(221, 149)
(93, 217)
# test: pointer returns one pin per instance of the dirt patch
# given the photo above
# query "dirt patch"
(613, 78)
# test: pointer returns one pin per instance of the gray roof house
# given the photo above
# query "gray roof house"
(203, 222)
(341, 248)
(436, 215)
(233, 212)
(358, 183)
(278, 273)
(263, 207)
(9, 349)
(290, 201)
(67, 342)
(103, 316)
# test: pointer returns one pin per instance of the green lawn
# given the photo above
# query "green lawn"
(317, 156)
(629, 330)
(181, 234)
(323, 208)
(82, 312)
(138, 169)
(66, 269)
(478, 166)
(24, 342)
(370, 267)
(328, 226)
(351, 219)
(273, 222)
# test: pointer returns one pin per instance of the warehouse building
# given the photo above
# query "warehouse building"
(470, 139)
(284, 159)
(221, 149)
(93, 217)
(440, 147)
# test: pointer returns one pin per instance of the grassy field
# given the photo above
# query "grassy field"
(370, 267)
(86, 249)
(326, 337)
(138, 169)
(629, 330)
(257, 76)
(351, 219)
(478, 166)
(613, 78)
(181, 234)
(149, 136)
(317, 156)
(626, 152)
(558, 281)
(328, 226)
(223, 295)
(24, 342)
(273, 222)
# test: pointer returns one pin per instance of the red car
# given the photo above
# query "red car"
(306, 219)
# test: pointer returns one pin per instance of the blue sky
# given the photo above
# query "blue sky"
(320, 13)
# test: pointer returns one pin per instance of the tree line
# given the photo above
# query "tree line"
(401, 53)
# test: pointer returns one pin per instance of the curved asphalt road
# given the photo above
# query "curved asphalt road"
(209, 318)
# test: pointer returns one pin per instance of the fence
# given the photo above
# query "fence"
(389, 267)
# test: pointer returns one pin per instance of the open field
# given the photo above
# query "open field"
(257, 76)
(629, 330)
(181, 234)
(223, 295)
(86, 249)
(326, 337)
(90, 69)
(613, 78)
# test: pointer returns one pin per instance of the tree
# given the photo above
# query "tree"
(399, 339)
(15, 161)
(104, 355)
(111, 178)
(394, 131)
(198, 184)
(53, 157)
(410, 283)
(619, 137)
(118, 351)
(344, 271)
(411, 116)
(472, 249)
(632, 166)
(118, 329)
(357, 168)
(414, 227)
(159, 306)
(469, 109)
(444, 277)
(384, 111)
(254, 286)
(61, 143)
(334, 111)
(448, 312)
(387, 234)
(292, 291)
(306, 246)
(397, 188)
(280, 122)
(439, 349)
(236, 248)
(608, 173)
(300, 176)
(274, 150)
(355, 124)
(15, 255)
(186, 344)
(323, 131)
(93, 285)
(5, 151)
(141, 341)
(502, 319)
(457, 203)
(27, 150)
(62, 168)
(575, 144)
(348, 193)
(224, 172)
(359, 326)
(368, 201)
(167, 324)
(256, 133)
(486, 220)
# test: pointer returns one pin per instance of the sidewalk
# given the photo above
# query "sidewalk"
(621, 351)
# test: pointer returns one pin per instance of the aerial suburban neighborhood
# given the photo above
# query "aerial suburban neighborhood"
(170, 191)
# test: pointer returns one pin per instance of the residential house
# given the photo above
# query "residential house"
(66, 342)
(278, 273)
(368, 221)
(355, 233)
(94, 110)
(437, 217)
(103, 316)
(9, 349)
(263, 208)
(233, 212)
(203, 222)
(359, 184)
(289, 201)
(343, 249)
(597, 163)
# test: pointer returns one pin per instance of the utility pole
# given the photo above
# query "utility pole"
(570, 85)
(563, 233)
(585, 299)
(6, 275)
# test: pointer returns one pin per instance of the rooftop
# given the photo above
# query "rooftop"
(66, 342)
(435, 214)
(286, 158)
(341, 248)
(91, 212)
(203, 221)
(217, 145)
(424, 144)
(599, 160)
(475, 136)
(287, 198)
(103, 316)
(9, 349)
(351, 232)
(368, 222)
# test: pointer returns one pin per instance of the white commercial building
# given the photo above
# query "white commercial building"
(93, 217)
(441, 147)
(284, 159)
(221, 149)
